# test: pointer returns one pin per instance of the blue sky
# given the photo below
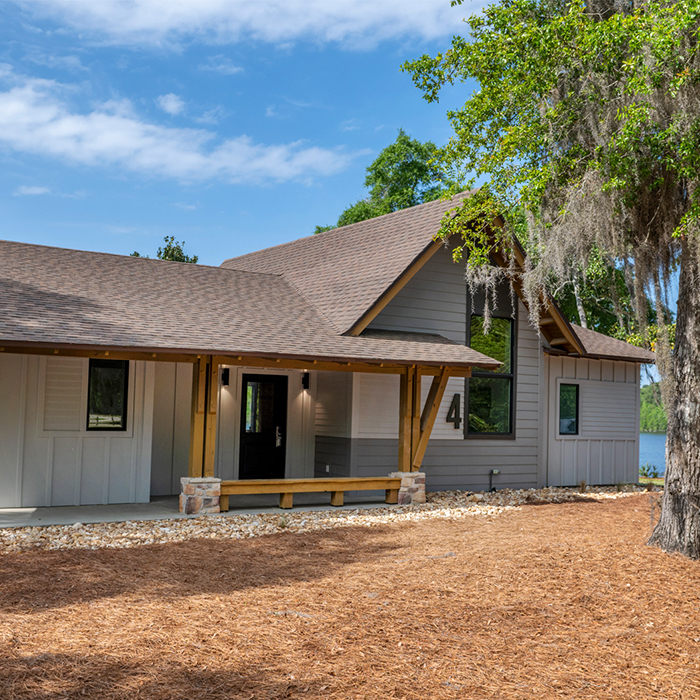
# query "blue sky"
(232, 125)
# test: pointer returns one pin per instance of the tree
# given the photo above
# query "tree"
(403, 174)
(587, 118)
(652, 417)
(173, 250)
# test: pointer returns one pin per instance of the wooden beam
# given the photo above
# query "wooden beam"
(334, 366)
(432, 406)
(112, 354)
(405, 277)
(405, 407)
(317, 485)
(377, 367)
(212, 382)
(415, 413)
(197, 419)
(430, 403)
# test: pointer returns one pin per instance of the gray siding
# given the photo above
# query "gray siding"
(434, 301)
(333, 404)
(452, 462)
(334, 453)
(447, 465)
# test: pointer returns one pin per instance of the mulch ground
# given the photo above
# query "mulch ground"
(551, 601)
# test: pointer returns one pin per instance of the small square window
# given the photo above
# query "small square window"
(568, 409)
(107, 394)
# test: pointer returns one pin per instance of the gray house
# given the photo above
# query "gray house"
(342, 355)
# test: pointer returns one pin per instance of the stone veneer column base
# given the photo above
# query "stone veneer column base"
(200, 495)
(412, 489)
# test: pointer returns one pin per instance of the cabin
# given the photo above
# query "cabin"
(339, 362)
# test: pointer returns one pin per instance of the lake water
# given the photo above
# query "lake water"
(652, 449)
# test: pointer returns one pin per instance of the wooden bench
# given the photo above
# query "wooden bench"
(286, 488)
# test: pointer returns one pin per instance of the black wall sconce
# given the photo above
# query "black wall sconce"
(225, 376)
(305, 381)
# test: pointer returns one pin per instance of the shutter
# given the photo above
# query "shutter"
(63, 393)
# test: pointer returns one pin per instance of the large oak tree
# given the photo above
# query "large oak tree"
(586, 116)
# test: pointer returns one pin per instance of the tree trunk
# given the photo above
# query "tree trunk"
(678, 529)
(579, 306)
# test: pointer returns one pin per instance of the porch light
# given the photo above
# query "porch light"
(305, 381)
(225, 376)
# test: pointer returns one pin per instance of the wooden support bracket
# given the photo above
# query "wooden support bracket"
(427, 420)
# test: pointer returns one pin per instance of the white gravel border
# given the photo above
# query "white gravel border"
(443, 505)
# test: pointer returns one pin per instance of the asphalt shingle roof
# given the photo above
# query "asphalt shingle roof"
(602, 346)
(59, 296)
(343, 272)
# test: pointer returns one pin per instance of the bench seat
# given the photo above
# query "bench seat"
(286, 488)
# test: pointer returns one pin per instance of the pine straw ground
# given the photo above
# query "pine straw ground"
(552, 601)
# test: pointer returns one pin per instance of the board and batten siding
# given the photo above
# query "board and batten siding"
(171, 427)
(606, 450)
(48, 458)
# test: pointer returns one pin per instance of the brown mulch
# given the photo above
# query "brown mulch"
(552, 601)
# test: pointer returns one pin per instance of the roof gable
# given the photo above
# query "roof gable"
(344, 272)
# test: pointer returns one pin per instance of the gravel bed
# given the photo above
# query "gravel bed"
(443, 505)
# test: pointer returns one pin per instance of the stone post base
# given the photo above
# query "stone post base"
(412, 489)
(199, 495)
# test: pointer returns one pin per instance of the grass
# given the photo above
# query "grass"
(548, 602)
(659, 481)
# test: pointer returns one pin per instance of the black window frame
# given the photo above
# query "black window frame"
(94, 362)
(578, 410)
(510, 377)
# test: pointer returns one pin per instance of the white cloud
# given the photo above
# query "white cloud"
(349, 22)
(70, 62)
(24, 190)
(170, 103)
(221, 64)
(185, 207)
(212, 116)
(36, 117)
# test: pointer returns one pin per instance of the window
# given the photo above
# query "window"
(107, 394)
(568, 409)
(490, 393)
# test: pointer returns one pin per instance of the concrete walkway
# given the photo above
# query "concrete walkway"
(167, 507)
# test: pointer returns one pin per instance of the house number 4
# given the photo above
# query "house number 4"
(454, 415)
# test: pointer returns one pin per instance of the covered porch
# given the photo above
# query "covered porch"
(204, 486)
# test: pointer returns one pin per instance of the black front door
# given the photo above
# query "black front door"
(263, 426)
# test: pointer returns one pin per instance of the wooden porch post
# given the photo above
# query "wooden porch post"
(197, 418)
(210, 422)
(415, 413)
(405, 420)
(427, 419)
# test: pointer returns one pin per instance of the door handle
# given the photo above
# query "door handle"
(278, 436)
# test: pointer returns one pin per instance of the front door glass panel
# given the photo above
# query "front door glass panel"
(263, 426)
